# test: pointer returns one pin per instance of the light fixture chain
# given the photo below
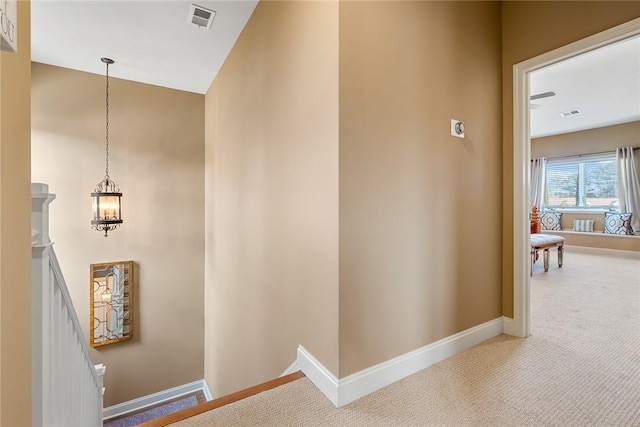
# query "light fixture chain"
(107, 128)
(106, 197)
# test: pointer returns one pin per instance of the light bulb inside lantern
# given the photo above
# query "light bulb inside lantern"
(109, 207)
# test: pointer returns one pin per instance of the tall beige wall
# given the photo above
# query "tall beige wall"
(420, 210)
(157, 158)
(272, 197)
(407, 195)
(531, 28)
(15, 228)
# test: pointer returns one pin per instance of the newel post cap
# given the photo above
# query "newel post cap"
(40, 200)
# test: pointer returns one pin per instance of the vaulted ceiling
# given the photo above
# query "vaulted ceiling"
(150, 41)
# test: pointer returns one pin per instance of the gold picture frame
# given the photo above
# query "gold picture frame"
(111, 296)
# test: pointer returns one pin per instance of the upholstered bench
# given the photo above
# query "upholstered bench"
(545, 242)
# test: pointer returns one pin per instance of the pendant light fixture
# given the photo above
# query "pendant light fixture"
(106, 198)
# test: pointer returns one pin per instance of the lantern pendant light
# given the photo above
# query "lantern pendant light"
(106, 197)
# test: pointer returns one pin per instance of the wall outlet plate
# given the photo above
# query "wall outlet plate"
(457, 128)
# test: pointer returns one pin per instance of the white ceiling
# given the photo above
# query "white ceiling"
(154, 42)
(150, 41)
(604, 85)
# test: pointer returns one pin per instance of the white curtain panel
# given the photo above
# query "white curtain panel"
(628, 186)
(537, 182)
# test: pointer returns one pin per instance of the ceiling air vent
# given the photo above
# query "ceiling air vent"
(542, 95)
(570, 113)
(201, 17)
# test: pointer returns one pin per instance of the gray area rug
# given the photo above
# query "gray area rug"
(153, 413)
(579, 367)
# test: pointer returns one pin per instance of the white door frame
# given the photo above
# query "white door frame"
(522, 155)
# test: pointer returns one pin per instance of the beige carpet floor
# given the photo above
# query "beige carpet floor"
(579, 367)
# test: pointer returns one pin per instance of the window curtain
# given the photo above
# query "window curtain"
(628, 186)
(536, 185)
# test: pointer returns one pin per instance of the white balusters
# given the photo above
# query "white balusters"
(67, 387)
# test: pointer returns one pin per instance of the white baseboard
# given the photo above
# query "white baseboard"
(155, 398)
(205, 390)
(319, 375)
(291, 369)
(346, 390)
(508, 326)
(603, 251)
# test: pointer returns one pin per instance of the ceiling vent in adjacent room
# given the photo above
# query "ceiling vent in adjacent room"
(542, 95)
(539, 96)
(570, 113)
(201, 16)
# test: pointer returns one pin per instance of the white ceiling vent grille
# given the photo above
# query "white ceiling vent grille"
(201, 16)
(570, 113)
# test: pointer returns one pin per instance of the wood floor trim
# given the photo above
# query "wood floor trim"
(221, 401)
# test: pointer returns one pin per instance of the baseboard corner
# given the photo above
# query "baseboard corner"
(319, 375)
(205, 390)
(291, 369)
(348, 389)
(508, 326)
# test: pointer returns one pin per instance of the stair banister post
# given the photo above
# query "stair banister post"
(61, 367)
(41, 290)
(40, 200)
(100, 370)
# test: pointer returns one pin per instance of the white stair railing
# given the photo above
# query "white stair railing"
(67, 388)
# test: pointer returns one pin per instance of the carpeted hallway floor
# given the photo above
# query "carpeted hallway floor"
(579, 367)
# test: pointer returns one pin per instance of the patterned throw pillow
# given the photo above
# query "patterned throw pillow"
(550, 220)
(617, 223)
(583, 224)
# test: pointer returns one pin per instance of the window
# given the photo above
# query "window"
(583, 182)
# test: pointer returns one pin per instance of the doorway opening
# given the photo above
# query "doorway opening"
(522, 155)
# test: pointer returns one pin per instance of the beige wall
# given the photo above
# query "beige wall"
(531, 28)
(606, 138)
(157, 158)
(406, 186)
(15, 226)
(272, 197)
(420, 210)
